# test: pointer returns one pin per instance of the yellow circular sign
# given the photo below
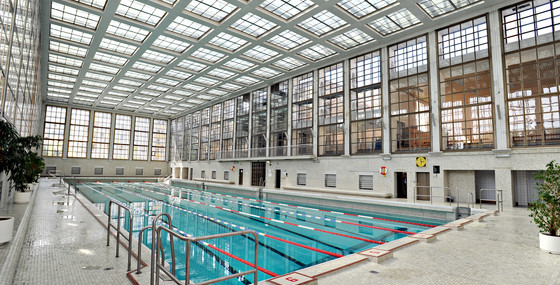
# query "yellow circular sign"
(421, 161)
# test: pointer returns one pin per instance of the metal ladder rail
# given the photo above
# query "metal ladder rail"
(469, 200)
(159, 245)
(499, 198)
(190, 240)
(119, 233)
(430, 195)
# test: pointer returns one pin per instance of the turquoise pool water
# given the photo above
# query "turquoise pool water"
(291, 237)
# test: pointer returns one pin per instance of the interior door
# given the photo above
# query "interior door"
(423, 186)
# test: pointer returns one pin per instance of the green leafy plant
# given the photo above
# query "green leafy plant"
(546, 210)
(17, 157)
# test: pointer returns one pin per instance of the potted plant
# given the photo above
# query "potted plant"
(8, 135)
(545, 211)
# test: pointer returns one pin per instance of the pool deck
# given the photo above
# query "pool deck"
(66, 244)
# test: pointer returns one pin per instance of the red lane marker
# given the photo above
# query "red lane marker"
(267, 218)
(379, 228)
(244, 261)
(305, 246)
(348, 214)
(343, 235)
(324, 210)
(291, 224)
(293, 206)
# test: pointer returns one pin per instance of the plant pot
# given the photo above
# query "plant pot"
(22, 197)
(550, 244)
(6, 229)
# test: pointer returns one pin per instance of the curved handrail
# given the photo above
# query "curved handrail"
(153, 256)
(117, 228)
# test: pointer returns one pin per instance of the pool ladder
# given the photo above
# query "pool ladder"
(158, 254)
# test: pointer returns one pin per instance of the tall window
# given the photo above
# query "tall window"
(531, 53)
(409, 96)
(187, 141)
(159, 139)
(121, 141)
(242, 126)
(204, 133)
(365, 104)
(53, 135)
(79, 129)
(302, 115)
(195, 132)
(227, 129)
(464, 75)
(258, 140)
(331, 110)
(177, 139)
(101, 135)
(141, 136)
(215, 130)
(279, 119)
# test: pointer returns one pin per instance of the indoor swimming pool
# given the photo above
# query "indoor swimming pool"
(291, 236)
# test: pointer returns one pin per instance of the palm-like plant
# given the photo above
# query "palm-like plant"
(546, 210)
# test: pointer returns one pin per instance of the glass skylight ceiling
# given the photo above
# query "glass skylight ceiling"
(162, 57)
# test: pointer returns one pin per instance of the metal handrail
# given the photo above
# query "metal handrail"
(430, 195)
(117, 228)
(189, 240)
(469, 200)
(499, 198)
(154, 256)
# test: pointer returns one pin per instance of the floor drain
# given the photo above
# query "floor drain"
(373, 271)
(61, 211)
(109, 268)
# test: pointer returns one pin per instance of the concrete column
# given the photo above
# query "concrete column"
(268, 90)
(346, 78)
(434, 92)
(315, 129)
(504, 182)
(290, 119)
(66, 133)
(112, 135)
(500, 120)
(250, 134)
(386, 116)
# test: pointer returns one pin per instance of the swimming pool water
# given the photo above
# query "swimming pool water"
(291, 237)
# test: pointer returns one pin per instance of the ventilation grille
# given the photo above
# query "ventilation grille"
(76, 170)
(366, 182)
(202, 174)
(226, 175)
(330, 180)
(139, 171)
(50, 169)
(119, 171)
(213, 174)
(302, 179)
(157, 171)
(98, 171)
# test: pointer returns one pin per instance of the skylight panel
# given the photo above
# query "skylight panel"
(146, 67)
(167, 82)
(178, 74)
(286, 9)
(196, 101)
(183, 92)
(221, 73)
(59, 90)
(193, 87)
(138, 75)
(188, 28)
(217, 92)
(361, 8)
(158, 88)
(191, 65)
(173, 97)
(206, 81)
(139, 11)
(115, 93)
(289, 63)
(108, 102)
(350, 39)
(65, 60)
(100, 4)
(253, 25)
(261, 53)
(148, 93)
(130, 82)
(60, 85)
(124, 89)
(61, 69)
(394, 22)
(206, 97)
(322, 23)
(113, 99)
(70, 34)
(435, 8)
(227, 41)
(127, 31)
(215, 10)
(67, 49)
(229, 86)
(317, 52)
(171, 2)
(94, 83)
(53, 76)
(247, 80)
(90, 89)
(105, 57)
(208, 55)
(74, 16)
(288, 40)
(239, 64)
(98, 76)
(185, 105)
(79, 94)
(104, 68)
(171, 44)
(157, 56)
(117, 46)
(266, 72)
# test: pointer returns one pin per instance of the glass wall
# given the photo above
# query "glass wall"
(242, 127)
(141, 136)
(79, 133)
(302, 115)
(259, 123)
(279, 119)
(331, 110)
(101, 135)
(53, 133)
(121, 141)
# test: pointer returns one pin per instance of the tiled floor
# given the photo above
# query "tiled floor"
(66, 245)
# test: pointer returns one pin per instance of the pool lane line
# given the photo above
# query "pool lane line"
(277, 221)
(301, 215)
(221, 261)
(245, 228)
(302, 207)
